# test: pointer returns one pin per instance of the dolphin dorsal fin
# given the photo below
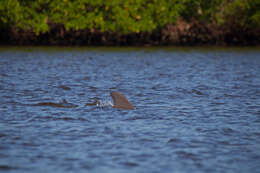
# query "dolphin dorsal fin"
(120, 101)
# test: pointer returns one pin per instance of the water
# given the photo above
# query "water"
(197, 110)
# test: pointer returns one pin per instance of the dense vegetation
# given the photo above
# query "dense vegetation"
(164, 22)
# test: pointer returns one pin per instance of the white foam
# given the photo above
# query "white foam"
(104, 104)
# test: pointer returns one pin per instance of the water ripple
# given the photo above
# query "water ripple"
(196, 110)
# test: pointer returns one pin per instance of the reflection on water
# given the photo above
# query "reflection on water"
(197, 110)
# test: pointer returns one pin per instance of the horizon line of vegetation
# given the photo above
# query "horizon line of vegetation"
(124, 17)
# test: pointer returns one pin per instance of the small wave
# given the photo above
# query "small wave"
(187, 155)
(57, 118)
(136, 118)
(130, 164)
(198, 92)
(7, 167)
(64, 118)
(100, 103)
(3, 135)
(69, 119)
(64, 87)
(174, 140)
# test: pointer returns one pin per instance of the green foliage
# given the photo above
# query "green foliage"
(244, 13)
(200, 9)
(9, 11)
(127, 16)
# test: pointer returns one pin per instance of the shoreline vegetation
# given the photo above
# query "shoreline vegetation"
(130, 22)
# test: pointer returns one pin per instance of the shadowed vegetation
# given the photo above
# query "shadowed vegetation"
(130, 22)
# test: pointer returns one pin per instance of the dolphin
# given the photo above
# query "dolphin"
(120, 101)
(63, 104)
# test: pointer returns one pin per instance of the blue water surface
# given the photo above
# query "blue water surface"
(197, 110)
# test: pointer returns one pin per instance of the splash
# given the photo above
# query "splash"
(99, 103)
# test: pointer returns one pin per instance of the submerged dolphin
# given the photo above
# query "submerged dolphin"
(120, 101)
(63, 104)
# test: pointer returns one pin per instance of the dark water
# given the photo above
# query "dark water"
(196, 110)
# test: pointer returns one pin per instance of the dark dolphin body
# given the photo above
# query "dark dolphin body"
(63, 104)
(120, 102)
